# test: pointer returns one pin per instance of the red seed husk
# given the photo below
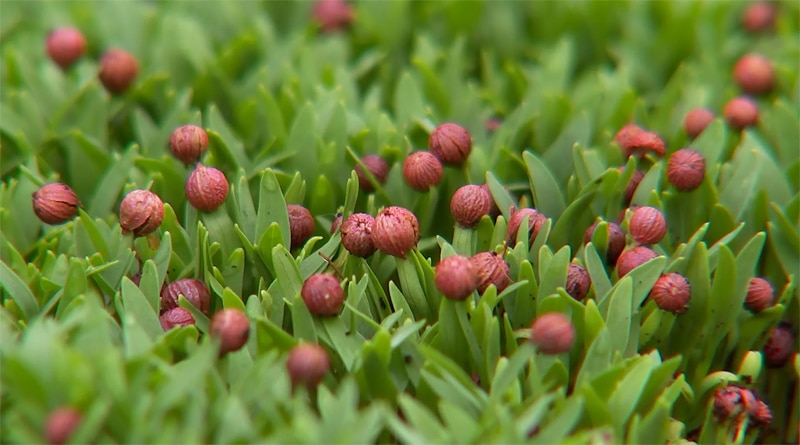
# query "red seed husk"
(55, 203)
(118, 70)
(65, 46)
(307, 365)
(491, 269)
(759, 17)
(175, 318)
(422, 170)
(61, 423)
(323, 295)
(636, 141)
(395, 231)
(616, 240)
(696, 121)
(632, 185)
(741, 112)
(779, 346)
(647, 225)
(140, 212)
(468, 205)
(301, 224)
(207, 188)
(672, 293)
(456, 277)
(451, 143)
(357, 234)
(760, 295)
(686, 169)
(578, 281)
(633, 258)
(332, 15)
(188, 143)
(377, 166)
(193, 290)
(553, 333)
(535, 221)
(232, 327)
(754, 74)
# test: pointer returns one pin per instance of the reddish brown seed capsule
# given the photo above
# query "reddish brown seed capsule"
(357, 234)
(55, 203)
(632, 185)
(491, 269)
(633, 258)
(468, 205)
(332, 15)
(647, 225)
(456, 277)
(741, 112)
(535, 222)
(672, 293)
(636, 141)
(175, 318)
(140, 212)
(65, 46)
(779, 346)
(553, 333)
(616, 240)
(377, 167)
(232, 327)
(696, 121)
(759, 17)
(493, 124)
(188, 143)
(686, 169)
(61, 424)
(763, 416)
(760, 295)
(301, 224)
(754, 74)
(323, 295)
(193, 290)
(207, 188)
(118, 70)
(422, 170)
(494, 211)
(307, 365)
(578, 281)
(732, 401)
(337, 222)
(451, 143)
(395, 231)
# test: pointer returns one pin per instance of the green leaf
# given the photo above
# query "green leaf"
(19, 292)
(272, 208)
(547, 194)
(110, 186)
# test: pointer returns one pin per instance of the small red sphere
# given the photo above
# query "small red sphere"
(61, 424)
(395, 231)
(377, 166)
(456, 277)
(535, 222)
(672, 293)
(307, 365)
(233, 329)
(301, 224)
(422, 170)
(118, 70)
(175, 318)
(578, 281)
(696, 121)
(491, 269)
(633, 258)
(686, 169)
(553, 333)
(647, 225)
(468, 205)
(65, 46)
(323, 295)
(357, 234)
(741, 112)
(141, 212)
(451, 143)
(207, 188)
(754, 74)
(55, 203)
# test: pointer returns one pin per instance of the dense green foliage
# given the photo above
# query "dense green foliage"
(289, 110)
